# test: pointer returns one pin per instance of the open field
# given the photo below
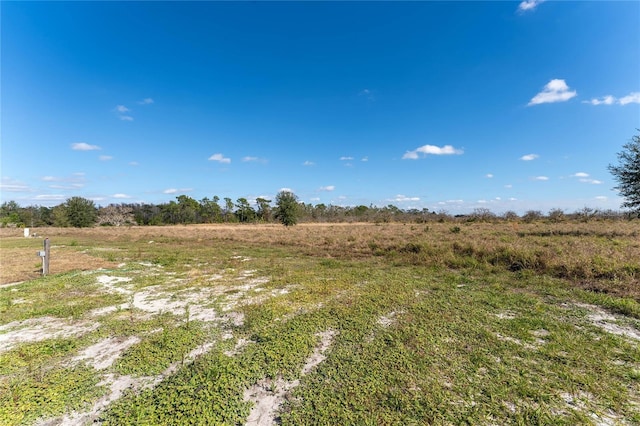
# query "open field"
(438, 323)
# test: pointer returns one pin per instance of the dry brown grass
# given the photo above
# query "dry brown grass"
(600, 255)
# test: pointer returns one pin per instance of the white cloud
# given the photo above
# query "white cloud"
(591, 181)
(146, 101)
(431, 150)
(529, 5)
(605, 100)
(50, 197)
(508, 186)
(601, 198)
(81, 146)
(580, 175)
(121, 109)
(630, 98)
(555, 90)
(105, 158)
(346, 158)
(69, 187)
(314, 199)
(489, 175)
(220, 158)
(584, 177)
(308, 163)
(513, 199)
(134, 163)
(253, 159)
(541, 178)
(529, 157)
(403, 198)
(365, 159)
(482, 201)
(176, 190)
(11, 185)
(120, 196)
(367, 94)
(327, 188)
(126, 118)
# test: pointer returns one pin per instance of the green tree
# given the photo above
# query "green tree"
(210, 210)
(245, 212)
(264, 209)
(286, 208)
(188, 209)
(81, 212)
(627, 173)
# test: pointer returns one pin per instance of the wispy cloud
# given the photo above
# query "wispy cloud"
(220, 158)
(122, 113)
(345, 158)
(145, 101)
(72, 186)
(11, 185)
(50, 197)
(327, 188)
(488, 175)
(605, 100)
(308, 163)
(541, 178)
(631, 98)
(431, 150)
(176, 190)
(403, 198)
(555, 90)
(81, 146)
(585, 178)
(121, 109)
(126, 118)
(368, 94)
(105, 157)
(250, 159)
(364, 159)
(123, 196)
(528, 5)
(134, 163)
(601, 198)
(529, 157)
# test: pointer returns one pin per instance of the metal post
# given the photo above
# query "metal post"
(45, 259)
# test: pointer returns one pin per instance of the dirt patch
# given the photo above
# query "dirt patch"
(607, 322)
(21, 264)
(37, 329)
(104, 353)
(268, 395)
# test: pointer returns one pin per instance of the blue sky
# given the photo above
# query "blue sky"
(441, 105)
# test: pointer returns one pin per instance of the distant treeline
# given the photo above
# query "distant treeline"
(81, 212)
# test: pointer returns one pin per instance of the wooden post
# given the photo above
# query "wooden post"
(45, 259)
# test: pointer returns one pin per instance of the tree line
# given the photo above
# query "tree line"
(285, 209)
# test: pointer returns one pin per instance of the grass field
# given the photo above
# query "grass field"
(373, 324)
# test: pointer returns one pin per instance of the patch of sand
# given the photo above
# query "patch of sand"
(38, 329)
(268, 395)
(104, 353)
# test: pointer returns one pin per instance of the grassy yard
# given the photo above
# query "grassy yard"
(438, 323)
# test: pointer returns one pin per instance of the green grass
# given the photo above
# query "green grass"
(424, 334)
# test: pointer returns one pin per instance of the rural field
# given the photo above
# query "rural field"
(444, 323)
